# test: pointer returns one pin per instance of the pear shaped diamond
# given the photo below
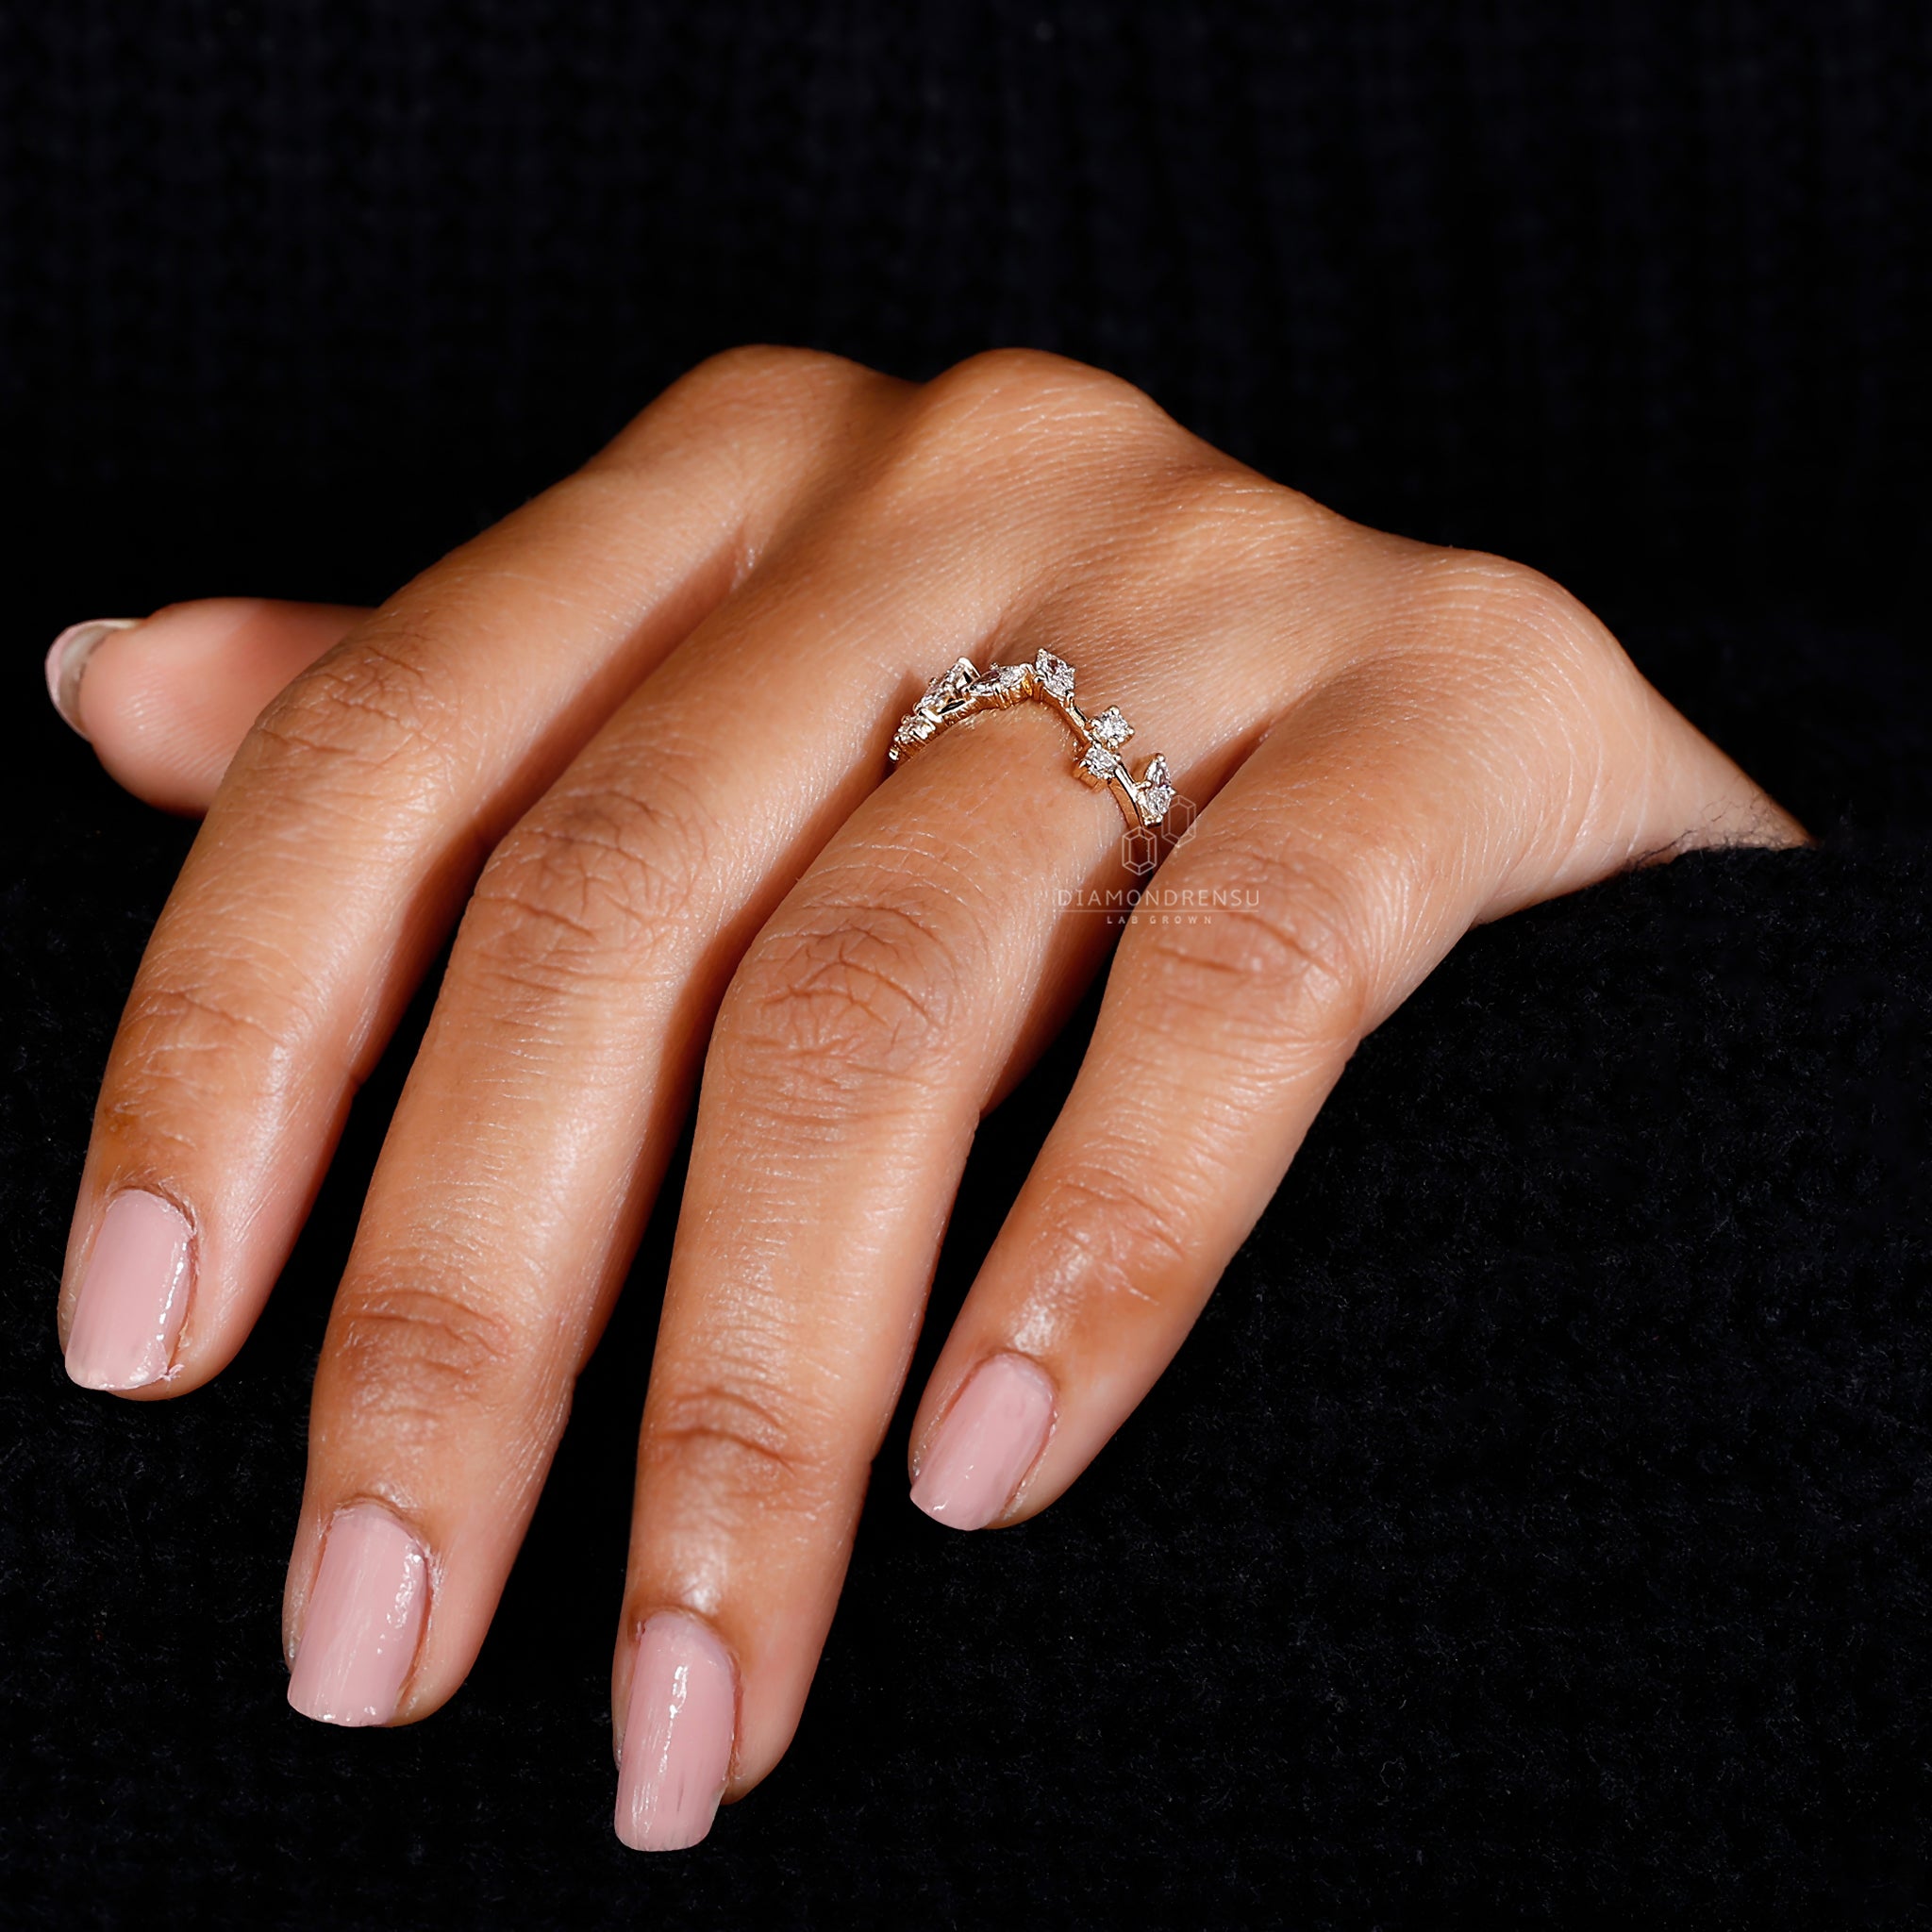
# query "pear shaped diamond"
(1157, 790)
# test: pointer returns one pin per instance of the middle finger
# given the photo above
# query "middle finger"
(923, 959)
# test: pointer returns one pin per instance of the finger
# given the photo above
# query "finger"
(1376, 824)
(567, 1032)
(892, 995)
(853, 1054)
(549, 1088)
(901, 986)
(349, 826)
(167, 700)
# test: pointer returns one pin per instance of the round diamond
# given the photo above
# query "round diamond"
(1111, 729)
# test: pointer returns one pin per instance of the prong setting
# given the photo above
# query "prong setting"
(963, 692)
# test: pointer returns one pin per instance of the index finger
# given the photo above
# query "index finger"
(349, 828)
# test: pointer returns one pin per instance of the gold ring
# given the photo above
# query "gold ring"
(961, 693)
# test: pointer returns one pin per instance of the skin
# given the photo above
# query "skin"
(631, 742)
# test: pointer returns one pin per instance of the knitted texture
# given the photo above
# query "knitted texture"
(1535, 1528)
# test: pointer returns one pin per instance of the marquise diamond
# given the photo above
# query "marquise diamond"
(963, 691)
(948, 684)
(1000, 681)
(1056, 674)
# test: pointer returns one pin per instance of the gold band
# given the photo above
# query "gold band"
(963, 692)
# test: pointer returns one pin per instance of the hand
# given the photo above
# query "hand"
(634, 738)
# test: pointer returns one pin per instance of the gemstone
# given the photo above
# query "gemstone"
(1100, 761)
(1007, 675)
(1111, 729)
(1056, 674)
(948, 684)
(1000, 681)
(913, 730)
(1157, 790)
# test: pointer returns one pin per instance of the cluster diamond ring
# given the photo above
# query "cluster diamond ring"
(963, 692)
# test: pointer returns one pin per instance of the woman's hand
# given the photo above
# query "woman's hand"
(633, 738)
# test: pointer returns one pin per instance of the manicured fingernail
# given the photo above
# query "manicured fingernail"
(67, 658)
(365, 1617)
(993, 1436)
(678, 1733)
(133, 1295)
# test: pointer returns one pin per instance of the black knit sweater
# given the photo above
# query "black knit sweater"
(1537, 1526)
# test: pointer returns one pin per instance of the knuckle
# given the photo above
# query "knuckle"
(764, 379)
(751, 408)
(1035, 397)
(594, 874)
(372, 706)
(1116, 1229)
(200, 1038)
(1198, 520)
(1280, 933)
(738, 1439)
(1033, 376)
(845, 991)
(767, 365)
(1226, 510)
(1490, 605)
(417, 1348)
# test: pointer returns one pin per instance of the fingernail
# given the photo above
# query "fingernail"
(67, 658)
(133, 1295)
(365, 1615)
(678, 1735)
(993, 1436)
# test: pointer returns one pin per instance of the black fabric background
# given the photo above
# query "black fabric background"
(1535, 1530)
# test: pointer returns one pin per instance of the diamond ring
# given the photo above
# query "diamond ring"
(963, 692)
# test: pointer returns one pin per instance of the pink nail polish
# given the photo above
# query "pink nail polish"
(133, 1295)
(678, 1735)
(365, 1618)
(991, 1437)
(67, 658)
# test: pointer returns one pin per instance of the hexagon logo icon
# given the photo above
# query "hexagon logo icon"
(1142, 848)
